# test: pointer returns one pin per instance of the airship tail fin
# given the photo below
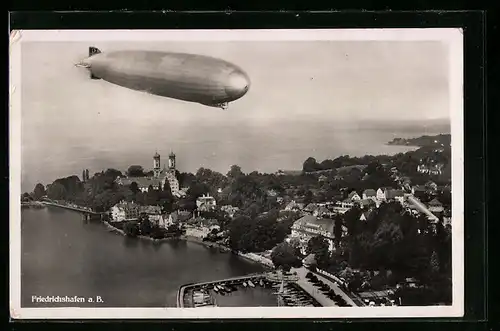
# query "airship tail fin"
(94, 50)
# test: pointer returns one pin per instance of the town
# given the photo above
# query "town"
(378, 227)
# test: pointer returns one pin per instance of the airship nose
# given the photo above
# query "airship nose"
(237, 84)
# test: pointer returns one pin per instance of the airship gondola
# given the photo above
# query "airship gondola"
(188, 77)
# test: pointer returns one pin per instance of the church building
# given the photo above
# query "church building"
(160, 176)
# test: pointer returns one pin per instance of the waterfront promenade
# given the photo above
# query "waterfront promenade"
(316, 293)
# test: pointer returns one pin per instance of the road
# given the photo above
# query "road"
(312, 290)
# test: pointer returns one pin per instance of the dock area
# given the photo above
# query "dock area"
(203, 288)
(285, 290)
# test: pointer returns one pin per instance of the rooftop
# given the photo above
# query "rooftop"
(309, 221)
(370, 192)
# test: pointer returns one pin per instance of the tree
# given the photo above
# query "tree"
(337, 230)
(84, 178)
(254, 235)
(113, 173)
(310, 165)
(152, 196)
(308, 197)
(39, 191)
(385, 245)
(135, 171)
(134, 187)
(145, 225)
(319, 247)
(296, 245)
(235, 172)
(196, 190)
(283, 256)
(352, 221)
(56, 191)
(131, 229)
(87, 177)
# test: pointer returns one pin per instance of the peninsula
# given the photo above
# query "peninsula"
(439, 140)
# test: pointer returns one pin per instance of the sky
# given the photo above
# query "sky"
(340, 80)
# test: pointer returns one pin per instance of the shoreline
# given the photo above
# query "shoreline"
(251, 257)
(196, 240)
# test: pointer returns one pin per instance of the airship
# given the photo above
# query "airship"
(189, 77)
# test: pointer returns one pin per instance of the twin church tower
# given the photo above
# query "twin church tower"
(157, 170)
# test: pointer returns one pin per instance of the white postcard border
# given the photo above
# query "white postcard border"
(452, 36)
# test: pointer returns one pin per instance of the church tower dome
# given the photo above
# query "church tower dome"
(156, 165)
(171, 161)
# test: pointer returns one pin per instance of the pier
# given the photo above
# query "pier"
(87, 214)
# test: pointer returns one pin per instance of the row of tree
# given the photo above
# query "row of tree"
(406, 163)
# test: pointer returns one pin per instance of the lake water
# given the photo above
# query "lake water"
(262, 146)
(62, 255)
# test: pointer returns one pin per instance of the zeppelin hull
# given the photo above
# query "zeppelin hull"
(186, 77)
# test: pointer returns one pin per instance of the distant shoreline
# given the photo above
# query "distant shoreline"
(440, 140)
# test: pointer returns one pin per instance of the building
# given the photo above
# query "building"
(310, 226)
(153, 213)
(294, 206)
(433, 169)
(160, 177)
(125, 211)
(436, 206)
(322, 211)
(179, 217)
(206, 203)
(366, 203)
(310, 208)
(342, 207)
(397, 195)
(353, 196)
(382, 193)
(369, 194)
(230, 210)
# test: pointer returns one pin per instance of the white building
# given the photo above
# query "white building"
(381, 193)
(125, 211)
(342, 207)
(206, 203)
(436, 206)
(309, 226)
(353, 196)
